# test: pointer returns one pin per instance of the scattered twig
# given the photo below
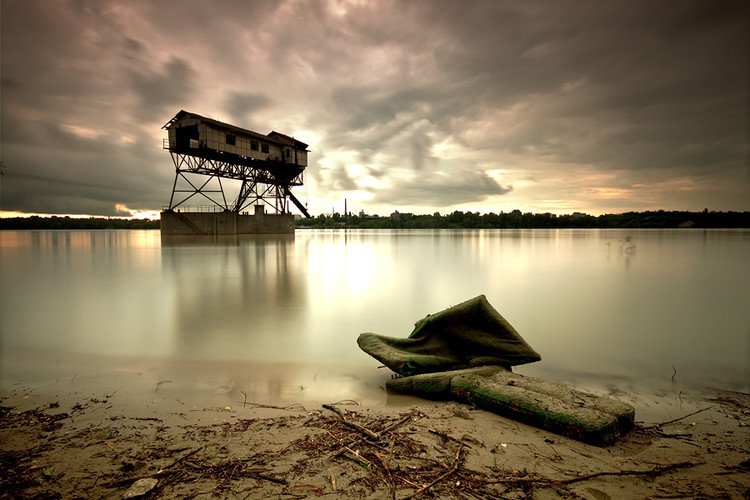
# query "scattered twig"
(332, 478)
(743, 467)
(303, 489)
(441, 477)
(266, 477)
(396, 425)
(245, 400)
(674, 374)
(292, 407)
(388, 428)
(446, 436)
(160, 383)
(655, 471)
(677, 419)
(160, 472)
(183, 457)
(659, 469)
(116, 391)
(383, 460)
(353, 425)
(679, 435)
(356, 457)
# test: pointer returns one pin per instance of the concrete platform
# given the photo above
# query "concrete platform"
(177, 223)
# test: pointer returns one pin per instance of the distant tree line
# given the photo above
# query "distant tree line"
(455, 220)
(517, 219)
(36, 222)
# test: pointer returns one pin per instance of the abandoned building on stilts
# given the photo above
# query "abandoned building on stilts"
(209, 157)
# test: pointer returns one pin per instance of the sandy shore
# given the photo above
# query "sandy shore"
(56, 442)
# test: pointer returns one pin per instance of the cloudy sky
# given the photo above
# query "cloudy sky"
(417, 106)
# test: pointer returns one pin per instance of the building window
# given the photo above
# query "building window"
(254, 145)
(231, 139)
(264, 148)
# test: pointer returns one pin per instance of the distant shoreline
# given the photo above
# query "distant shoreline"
(660, 219)
(515, 219)
(57, 222)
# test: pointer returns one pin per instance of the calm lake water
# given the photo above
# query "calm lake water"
(277, 317)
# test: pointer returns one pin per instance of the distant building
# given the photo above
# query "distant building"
(401, 216)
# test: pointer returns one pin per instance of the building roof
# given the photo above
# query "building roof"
(285, 139)
(273, 136)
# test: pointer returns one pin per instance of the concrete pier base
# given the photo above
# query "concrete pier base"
(174, 223)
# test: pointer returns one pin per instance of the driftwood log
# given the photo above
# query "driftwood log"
(586, 417)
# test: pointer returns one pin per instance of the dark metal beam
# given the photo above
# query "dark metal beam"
(266, 181)
(297, 203)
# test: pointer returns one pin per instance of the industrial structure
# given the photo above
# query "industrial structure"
(205, 152)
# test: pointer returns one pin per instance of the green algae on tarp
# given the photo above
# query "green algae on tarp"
(467, 335)
(435, 385)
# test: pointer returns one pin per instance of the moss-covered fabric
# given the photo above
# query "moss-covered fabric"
(435, 385)
(467, 335)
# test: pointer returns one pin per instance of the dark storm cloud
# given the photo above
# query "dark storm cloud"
(421, 144)
(442, 190)
(663, 81)
(92, 189)
(73, 119)
(162, 90)
(341, 180)
(368, 106)
(242, 105)
(615, 86)
(593, 104)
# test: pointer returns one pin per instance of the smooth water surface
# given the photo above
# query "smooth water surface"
(636, 304)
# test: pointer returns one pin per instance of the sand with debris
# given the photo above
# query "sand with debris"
(58, 443)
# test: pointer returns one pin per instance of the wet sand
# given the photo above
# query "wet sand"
(199, 433)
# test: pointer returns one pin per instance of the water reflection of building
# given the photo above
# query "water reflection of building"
(237, 299)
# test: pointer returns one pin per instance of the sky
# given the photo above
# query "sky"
(418, 106)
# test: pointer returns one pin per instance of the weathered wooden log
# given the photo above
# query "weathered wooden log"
(593, 419)
(554, 407)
